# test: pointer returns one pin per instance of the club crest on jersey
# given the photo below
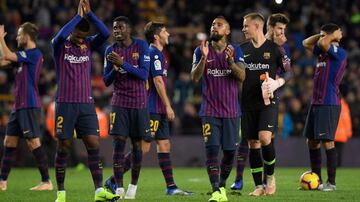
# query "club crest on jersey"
(83, 47)
(267, 55)
(135, 56)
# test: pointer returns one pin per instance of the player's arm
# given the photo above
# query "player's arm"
(4, 62)
(156, 71)
(64, 32)
(238, 66)
(109, 71)
(325, 42)
(104, 33)
(160, 88)
(8, 54)
(142, 72)
(199, 61)
(311, 41)
(284, 72)
(325, 45)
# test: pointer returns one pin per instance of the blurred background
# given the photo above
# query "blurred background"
(185, 19)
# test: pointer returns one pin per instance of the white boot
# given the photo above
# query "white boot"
(131, 192)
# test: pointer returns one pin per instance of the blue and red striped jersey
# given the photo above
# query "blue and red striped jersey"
(130, 80)
(158, 67)
(219, 87)
(329, 71)
(73, 62)
(27, 77)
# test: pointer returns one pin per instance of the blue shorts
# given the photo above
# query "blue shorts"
(24, 123)
(129, 122)
(159, 128)
(321, 122)
(222, 132)
(259, 120)
(80, 117)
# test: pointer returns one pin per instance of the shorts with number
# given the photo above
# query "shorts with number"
(321, 122)
(159, 128)
(129, 122)
(24, 123)
(222, 132)
(80, 118)
(254, 121)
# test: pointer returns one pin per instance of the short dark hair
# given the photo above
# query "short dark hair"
(31, 30)
(329, 28)
(277, 18)
(83, 25)
(151, 29)
(124, 19)
(255, 16)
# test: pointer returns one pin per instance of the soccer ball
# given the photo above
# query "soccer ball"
(309, 181)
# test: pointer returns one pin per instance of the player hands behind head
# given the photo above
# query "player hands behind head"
(24, 120)
(127, 68)
(220, 66)
(267, 70)
(74, 102)
(324, 112)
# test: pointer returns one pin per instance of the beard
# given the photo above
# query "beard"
(215, 37)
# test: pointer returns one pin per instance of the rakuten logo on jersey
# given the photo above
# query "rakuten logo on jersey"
(219, 72)
(258, 66)
(75, 59)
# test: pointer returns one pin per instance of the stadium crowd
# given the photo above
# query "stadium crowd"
(186, 19)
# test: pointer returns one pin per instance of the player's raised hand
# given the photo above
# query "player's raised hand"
(2, 31)
(280, 39)
(80, 8)
(204, 48)
(170, 113)
(229, 54)
(86, 6)
(115, 58)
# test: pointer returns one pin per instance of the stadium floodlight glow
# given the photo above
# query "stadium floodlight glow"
(278, 1)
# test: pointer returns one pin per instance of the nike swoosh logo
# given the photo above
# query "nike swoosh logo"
(27, 131)
(210, 60)
(321, 134)
(270, 126)
(245, 56)
(146, 131)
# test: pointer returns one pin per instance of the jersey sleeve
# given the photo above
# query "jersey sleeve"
(336, 52)
(284, 66)
(65, 32)
(25, 56)
(238, 54)
(98, 39)
(196, 56)
(144, 59)
(156, 68)
(109, 72)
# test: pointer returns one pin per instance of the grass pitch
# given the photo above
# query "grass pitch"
(151, 186)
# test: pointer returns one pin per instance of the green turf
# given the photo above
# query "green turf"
(151, 186)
